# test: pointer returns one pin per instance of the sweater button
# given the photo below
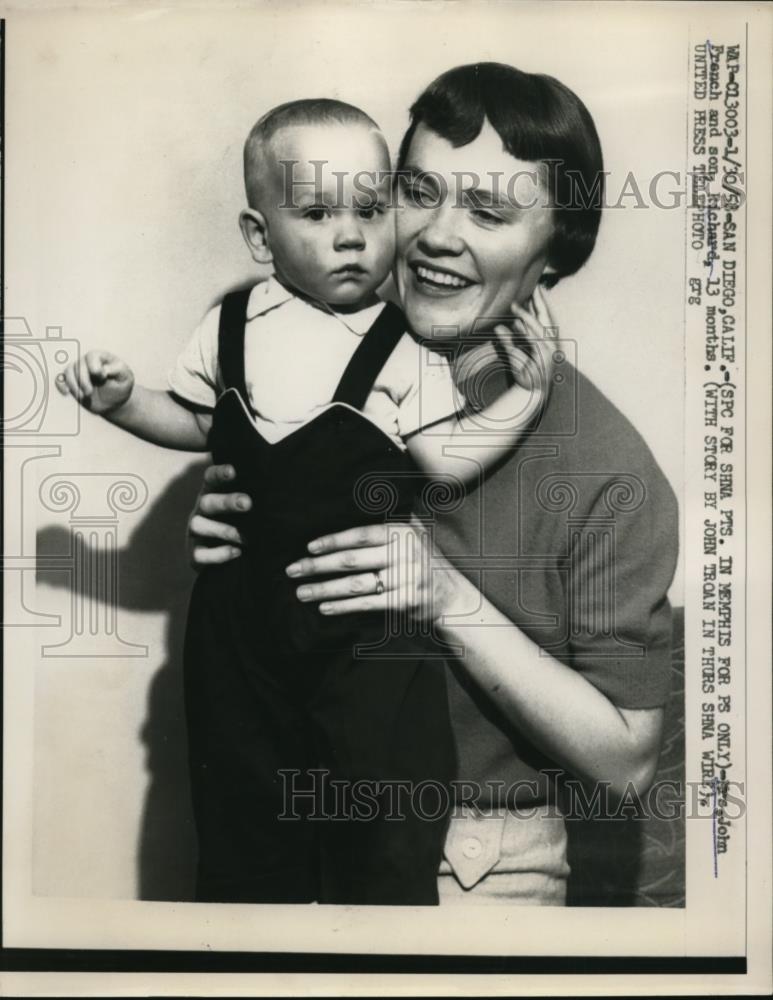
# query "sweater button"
(472, 848)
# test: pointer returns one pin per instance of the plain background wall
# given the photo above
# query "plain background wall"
(124, 136)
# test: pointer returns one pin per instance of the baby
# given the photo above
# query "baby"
(329, 411)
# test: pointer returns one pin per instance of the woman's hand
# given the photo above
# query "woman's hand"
(392, 567)
(211, 540)
(528, 345)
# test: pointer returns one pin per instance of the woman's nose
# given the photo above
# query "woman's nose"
(439, 233)
(349, 235)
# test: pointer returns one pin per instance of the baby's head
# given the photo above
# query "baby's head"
(317, 175)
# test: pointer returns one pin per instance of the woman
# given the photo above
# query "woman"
(551, 577)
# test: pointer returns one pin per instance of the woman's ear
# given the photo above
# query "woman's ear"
(549, 276)
(255, 232)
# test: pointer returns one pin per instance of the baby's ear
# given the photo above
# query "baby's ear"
(255, 233)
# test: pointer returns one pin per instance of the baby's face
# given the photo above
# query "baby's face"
(330, 227)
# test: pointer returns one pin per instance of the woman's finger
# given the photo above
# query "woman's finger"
(505, 337)
(217, 475)
(213, 504)
(531, 327)
(359, 560)
(531, 370)
(361, 584)
(401, 600)
(352, 605)
(205, 527)
(351, 538)
(542, 310)
(523, 364)
(519, 357)
(212, 555)
(536, 333)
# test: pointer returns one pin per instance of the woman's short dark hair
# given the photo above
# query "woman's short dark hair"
(538, 119)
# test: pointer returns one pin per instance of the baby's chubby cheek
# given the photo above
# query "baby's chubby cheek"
(383, 249)
(307, 262)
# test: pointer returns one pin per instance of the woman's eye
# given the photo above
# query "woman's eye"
(416, 194)
(485, 216)
(370, 211)
(315, 214)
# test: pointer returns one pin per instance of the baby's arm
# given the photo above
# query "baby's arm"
(104, 384)
(508, 416)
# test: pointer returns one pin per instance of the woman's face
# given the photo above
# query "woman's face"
(472, 233)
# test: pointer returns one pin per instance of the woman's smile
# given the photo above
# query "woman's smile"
(432, 279)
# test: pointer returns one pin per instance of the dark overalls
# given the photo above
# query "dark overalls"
(287, 721)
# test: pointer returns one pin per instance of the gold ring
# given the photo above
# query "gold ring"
(379, 584)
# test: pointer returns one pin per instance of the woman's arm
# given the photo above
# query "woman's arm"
(560, 711)
(554, 706)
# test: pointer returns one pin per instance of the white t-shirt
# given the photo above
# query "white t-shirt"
(295, 354)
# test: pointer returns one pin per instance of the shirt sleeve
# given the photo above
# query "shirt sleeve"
(195, 376)
(621, 567)
(431, 394)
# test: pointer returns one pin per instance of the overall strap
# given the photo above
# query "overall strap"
(370, 357)
(230, 341)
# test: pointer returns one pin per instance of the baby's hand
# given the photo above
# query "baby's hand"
(531, 360)
(100, 381)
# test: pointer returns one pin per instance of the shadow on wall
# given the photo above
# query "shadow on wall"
(154, 576)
